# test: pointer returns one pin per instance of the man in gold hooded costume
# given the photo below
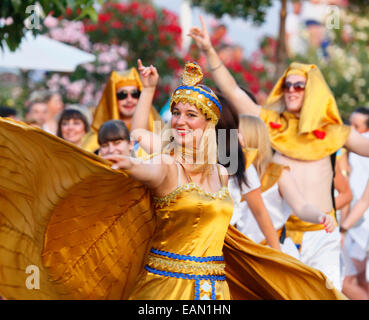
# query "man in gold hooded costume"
(305, 130)
(118, 101)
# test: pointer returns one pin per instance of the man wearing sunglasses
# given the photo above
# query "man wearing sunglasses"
(305, 130)
(118, 102)
(127, 97)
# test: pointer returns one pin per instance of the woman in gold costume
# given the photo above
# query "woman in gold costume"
(159, 229)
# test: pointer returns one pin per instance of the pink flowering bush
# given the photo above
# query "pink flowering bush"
(87, 82)
(124, 32)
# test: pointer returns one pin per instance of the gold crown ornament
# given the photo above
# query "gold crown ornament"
(193, 92)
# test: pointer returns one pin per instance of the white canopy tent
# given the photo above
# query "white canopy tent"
(43, 53)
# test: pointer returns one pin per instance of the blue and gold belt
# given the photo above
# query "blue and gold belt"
(204, 270)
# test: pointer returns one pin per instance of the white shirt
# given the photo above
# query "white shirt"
(235, 192)
(358, 179)
(278, 209)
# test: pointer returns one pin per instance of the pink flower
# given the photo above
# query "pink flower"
(122, 51)
(51, 22)
(89, 67)
(103, 69)
(57, 34)
(87, 99)
(121, 65)
(75, 88)
(9, 21)
(106, 57)
(64, 81)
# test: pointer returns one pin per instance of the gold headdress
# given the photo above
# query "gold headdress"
(108, 105)
(193, 92)
(319, 108)
(318, 132)
(107, 108)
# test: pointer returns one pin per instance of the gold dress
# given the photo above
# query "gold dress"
(186, 259)
(96, 233)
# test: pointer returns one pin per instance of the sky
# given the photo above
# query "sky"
(237, 28)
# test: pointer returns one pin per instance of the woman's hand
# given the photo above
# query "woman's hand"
(201, 36)
(119, 161)
(149, 75)
(328, 222)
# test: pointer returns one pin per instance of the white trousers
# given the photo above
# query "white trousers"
(322, 251)
(352, 250)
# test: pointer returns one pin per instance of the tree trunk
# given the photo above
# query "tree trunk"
(281, 55)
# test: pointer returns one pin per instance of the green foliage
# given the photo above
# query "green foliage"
(360, 7)
(19, 10)
(247, 9)
(346, 70)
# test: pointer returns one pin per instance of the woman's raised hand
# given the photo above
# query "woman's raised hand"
(149, 75)
(201, 36)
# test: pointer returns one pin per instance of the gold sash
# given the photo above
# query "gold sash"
(296, 227)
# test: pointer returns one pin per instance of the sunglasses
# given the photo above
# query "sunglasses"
(123, 95)
(297, 86)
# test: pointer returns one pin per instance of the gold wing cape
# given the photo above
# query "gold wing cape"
(87, 228)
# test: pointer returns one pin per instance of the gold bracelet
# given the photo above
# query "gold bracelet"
(217, 67)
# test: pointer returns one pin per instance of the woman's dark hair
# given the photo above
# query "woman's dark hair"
(229, 120)
(7, 111)
(68, 114)
(113, 130)
(248, 92)
(364, 111)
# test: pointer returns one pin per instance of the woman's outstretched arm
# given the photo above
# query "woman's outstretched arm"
(223, 78)
(262, 217)
(290, 193)
(358, 210)
(153, 172)
(342, 185)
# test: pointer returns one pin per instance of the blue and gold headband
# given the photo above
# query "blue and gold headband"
(193, 92)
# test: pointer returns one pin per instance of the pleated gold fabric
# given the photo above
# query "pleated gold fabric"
(257, 272)
(296, 227)
(66, 212)
(95, 233)
(250, 155)
(271, 176)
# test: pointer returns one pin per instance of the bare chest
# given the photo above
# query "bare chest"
(314, 179)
